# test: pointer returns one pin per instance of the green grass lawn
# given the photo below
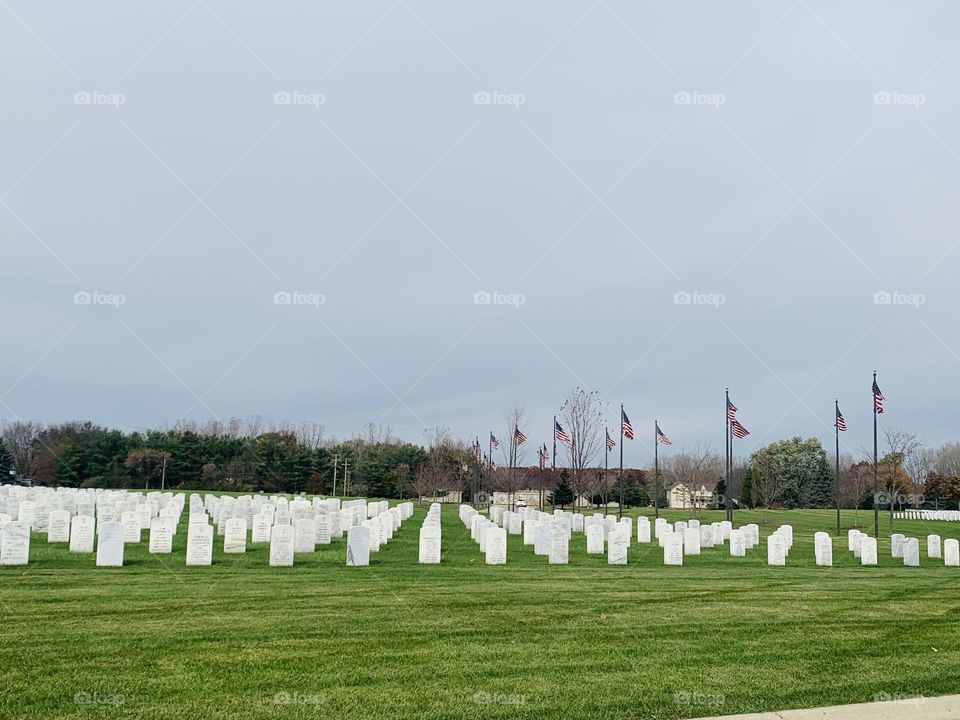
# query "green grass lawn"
(156, 639)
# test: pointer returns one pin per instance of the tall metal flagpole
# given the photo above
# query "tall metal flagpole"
(606, 467)
(836, 473)
(620, 511)
(876, 512)
(490, 462)
(553, 461)
(656, 472)
(728, 443)
(730, 494)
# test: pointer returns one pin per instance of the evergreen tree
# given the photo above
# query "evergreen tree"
(563, 494)
(6, 462)
(719, 494)
(746, 488)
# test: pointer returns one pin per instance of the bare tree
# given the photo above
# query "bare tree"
(509, 481)
(377, 434)
(902, 456)
(311, 434)
(22, 440)
(509, 477)
(855, 483)
(693, 466)
(582, 416)
(946, 460)
(769, 480)
(254, 425)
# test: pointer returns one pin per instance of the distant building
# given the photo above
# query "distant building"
(681, 497)
(444, 496)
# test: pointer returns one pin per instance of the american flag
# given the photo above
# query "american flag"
(494, 443)
(476, 450)
(542, 457)
(625, 424)
(559, 434)
(664, 440)
(520, 437)
(841, 423)
(878, 398)
(738, 430)
(731, 411)
(610, 442)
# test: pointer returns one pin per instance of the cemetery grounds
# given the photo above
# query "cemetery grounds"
(239, 639)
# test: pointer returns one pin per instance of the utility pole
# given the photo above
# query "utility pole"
(163, 475)
(336, 458)
(346, 477)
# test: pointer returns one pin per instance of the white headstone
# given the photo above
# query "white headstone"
(706, 536)
(617, 547)
(776, 550)
(324, 529)
(896, 545)
(305, 536)
(851, 539)
(643, 530)
(672, 548)
(951, 552)
(429, 553)
(161, 536)
(199, 545)
(358, 546)
(131, 527)
(823, 549)
(595, 540)
(933, 546)
(281, 546)
(235, 536)
(82, 529)
(496, 546)
(110, 544)
(262, 524)
(559, 547)
(691, 541)
(868, 550)
(58, 526)
(911, 552)
(15, 543)
(543, 539)
(738, 542)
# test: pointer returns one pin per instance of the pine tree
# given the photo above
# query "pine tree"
(746, 488)
(562, 494)
(6, 462)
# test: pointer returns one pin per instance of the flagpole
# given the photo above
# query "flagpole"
(490, 464)
(620, 511)
(836, 474)
(478, 479)
(728, 442)
(876, 512)
(606, 466)
(730, 480)
(656, 472)
(553, 461)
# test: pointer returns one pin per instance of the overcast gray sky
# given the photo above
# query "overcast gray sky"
(169, 168)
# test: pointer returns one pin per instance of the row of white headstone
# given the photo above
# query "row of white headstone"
(490, 537)
(686, 538)
(948, 515)
(109, 519)
(429, 548)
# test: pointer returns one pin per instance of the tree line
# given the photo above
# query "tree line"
(252, 456)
